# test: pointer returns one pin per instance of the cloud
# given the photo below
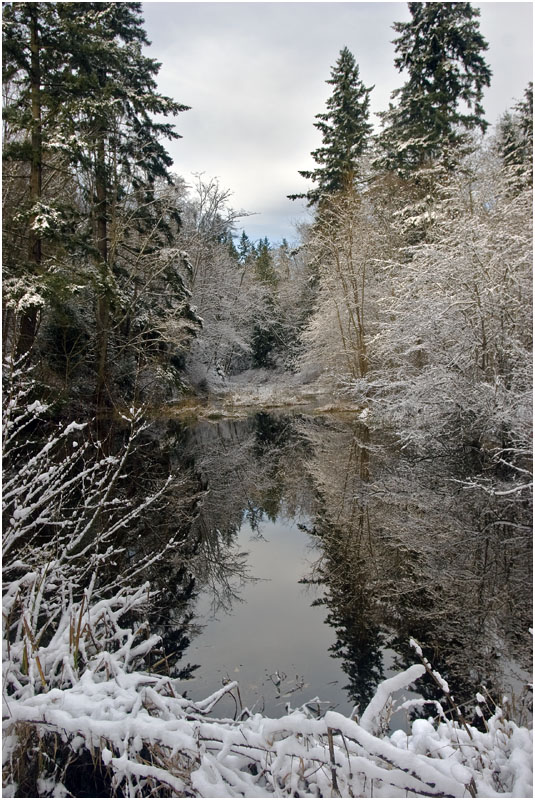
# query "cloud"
(254, 74)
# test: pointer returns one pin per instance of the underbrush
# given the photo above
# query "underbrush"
(132, 735)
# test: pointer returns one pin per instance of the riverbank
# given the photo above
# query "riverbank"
(240, 395)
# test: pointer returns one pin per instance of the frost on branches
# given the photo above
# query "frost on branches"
(78, 699)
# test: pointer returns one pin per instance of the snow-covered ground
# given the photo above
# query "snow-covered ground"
(232, 395)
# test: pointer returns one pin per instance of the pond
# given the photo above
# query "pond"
(322, 548)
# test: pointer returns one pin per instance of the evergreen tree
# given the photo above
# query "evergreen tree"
(345, 130)
(266, 332)
(442, 49)
(244, 247)
(85, 94)
(263, 264)
(113, 87)
(515, 134)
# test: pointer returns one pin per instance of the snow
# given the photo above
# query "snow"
(37, 407)
(259, 756)
(372, 715)
(73, 673)
(74, 426)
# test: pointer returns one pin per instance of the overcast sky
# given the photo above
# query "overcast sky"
(254, 75)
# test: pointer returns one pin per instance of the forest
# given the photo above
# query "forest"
(131, 308)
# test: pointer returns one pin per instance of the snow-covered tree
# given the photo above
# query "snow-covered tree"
(442, 50)
(344, 247)
(514, 137)
(455, 332)
(345, 130)
(31, 62)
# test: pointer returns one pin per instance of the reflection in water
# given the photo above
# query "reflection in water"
(347, 566)
(390, 548)
(407, 551)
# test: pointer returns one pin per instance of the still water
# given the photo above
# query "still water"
(274, 640)
(322, 550)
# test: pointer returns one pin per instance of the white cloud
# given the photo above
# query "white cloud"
(254, 74)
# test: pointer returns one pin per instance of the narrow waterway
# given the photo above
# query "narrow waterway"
(273, 638)
(322, 550)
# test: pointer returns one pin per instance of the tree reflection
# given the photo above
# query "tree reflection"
(407, 551)
(340, 466)
(170, 568)
(406, 548)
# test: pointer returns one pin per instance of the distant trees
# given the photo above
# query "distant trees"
(252, 297)
(223, 292)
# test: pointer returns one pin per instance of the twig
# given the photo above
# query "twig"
(333, 762)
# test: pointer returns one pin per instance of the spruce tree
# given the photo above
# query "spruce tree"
(442, 49)
(86, 95)
(345, 130)
(515, 133)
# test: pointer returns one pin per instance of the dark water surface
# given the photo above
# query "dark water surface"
(322, 550)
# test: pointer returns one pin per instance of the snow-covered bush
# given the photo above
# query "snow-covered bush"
(64, 601)
(150, 740)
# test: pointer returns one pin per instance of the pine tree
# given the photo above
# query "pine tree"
(88, 96)
(442, 49)
(515, 133)
(345, 130)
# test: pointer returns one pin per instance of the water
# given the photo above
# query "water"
(272, 640)
(322, 551)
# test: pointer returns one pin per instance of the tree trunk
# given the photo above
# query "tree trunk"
(102, 397)
(28, 321)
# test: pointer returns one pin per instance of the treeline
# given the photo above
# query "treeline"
(106, 252)
(126, 285)
(422, 247)
(253, 297)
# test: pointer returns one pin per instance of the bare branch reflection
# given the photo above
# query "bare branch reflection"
(408, 546)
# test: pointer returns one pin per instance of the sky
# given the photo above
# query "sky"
(254, 75)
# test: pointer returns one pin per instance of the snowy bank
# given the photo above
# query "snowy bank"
(147, 738)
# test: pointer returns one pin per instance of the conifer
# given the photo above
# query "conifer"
(345, 130)
(441, 48)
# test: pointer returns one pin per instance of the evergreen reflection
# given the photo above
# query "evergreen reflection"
(409, 552)
(406, 550)
(340, 466)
